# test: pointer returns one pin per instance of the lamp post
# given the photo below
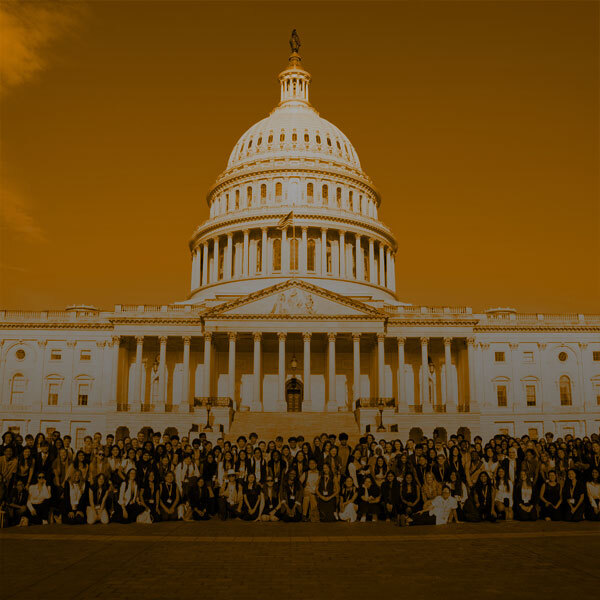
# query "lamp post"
(381, 406)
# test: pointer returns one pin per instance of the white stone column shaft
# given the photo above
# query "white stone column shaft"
(216, 253)
(424, 370)
(356, 367)
(257, 348)
(115, 371)
(323, 252)
(402, 401)
(162, 372)
(281, 370)
(246, 255)
(229, 265)
(263, 249)
(304, 251)
(285, 253)
(448, 367)
(372, 270)
(231, 372)
(381, 265)
(381, 365)
(306, 339)
(138, 368)
(207, 360)
(205, 263)
(185, 378)
(331, 399)
(359, 259)
(342, 254)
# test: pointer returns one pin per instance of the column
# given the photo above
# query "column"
(514, 362)
(393, 282)
(205, 263)
(342, 254)
(207, 357)
(193, 282)
(216, 260)
(285, 254)
(331, 400)
(381, 265)
(360, 272)
(388, 264)
(229, 264)
(381, 365)
(246, 256)
(448, 369)
(424, 370)
(139, 339)
(162, 372)
(264, 251)
(306, 339)
(372, 270)
(402, 403)
(257, 396)
(281, 371)
(304, 251)
(116, 341)
(356, 369)
(471, 360)
(232, 338)
(185, 378)
(323, 251)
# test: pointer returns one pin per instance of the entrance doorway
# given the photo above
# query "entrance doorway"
(293, 395)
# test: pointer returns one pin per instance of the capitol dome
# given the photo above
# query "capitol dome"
(293, 202)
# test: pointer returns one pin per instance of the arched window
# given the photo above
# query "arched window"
(310, 256)
(329, 258)
(325, 193)
(350, 201)
(278, 190)
(259, 256)
(318, 139)
(564, 384)
(53, 385)
(17, 389)
(328, 141)
(227, 207)
(338, 197)
(249, 195)
(306, 137)
(339, 147)
(249, 144)
(367, 274)
(270, 139)
(294, 245)
(259, 141)
(83, 388)
(237, 199)
(309, 192)
(294, 137)
(263, 193)
(282, 137)
(276, 255)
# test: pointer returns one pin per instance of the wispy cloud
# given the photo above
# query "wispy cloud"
(26, 29)
(16, 217)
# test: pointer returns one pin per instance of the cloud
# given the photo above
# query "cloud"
(16, 217)
(27, 28)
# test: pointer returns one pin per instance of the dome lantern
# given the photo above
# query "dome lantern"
(294, 80)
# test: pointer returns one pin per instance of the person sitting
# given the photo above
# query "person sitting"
(252, 497)
(410, 494)
(74, 499)
(443, 507)
(38, 502)
(327, 495)
(484, 498)
(169, 498)
(230, 497)
(593, 495)
(551, 498)
(291, 498)
(524, 500)
(128, 507)
(503, 500)
(186, 474)
(17, 505)
(348, 501)
(97, 498)
(369, 497)
(390, 496)
(198, 502)
(310, 480)
(270, 504)
(573, 497)
(431, 488)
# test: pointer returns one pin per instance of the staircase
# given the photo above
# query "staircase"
(268, 425)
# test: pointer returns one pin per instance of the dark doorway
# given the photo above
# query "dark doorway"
(293, 395)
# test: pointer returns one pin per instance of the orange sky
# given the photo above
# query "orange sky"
(477, 121)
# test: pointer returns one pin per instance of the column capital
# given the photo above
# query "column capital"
(281, 335)
(162, 339)
(381, 337)
(541, 346)
(101, 343)
(401, 340)
(139, 339)
(471, 341)
(263, 229)
(583, 345)
(356, 337)
(256, 336)
(232, 335)
(304, 228)
(116, 340)
(208, 336)
(247, 231)
(513, 345)
(324, 229)
(424, 341)
(230, 235)
(447, 341)
(306, 336)
(71, 343)
(187, 339)
(331, 336)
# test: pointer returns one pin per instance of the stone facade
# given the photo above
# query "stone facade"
(293, 306)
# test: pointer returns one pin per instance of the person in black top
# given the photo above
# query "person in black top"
(369, 497)
(390, 496)
(270, 501)
(251, 499)
(573, 497)
(198, 501)
(484, 498)
(551, 498)
(17, 504)
(291, 495)
(169, 498)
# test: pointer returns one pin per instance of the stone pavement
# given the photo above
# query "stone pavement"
(300, 561)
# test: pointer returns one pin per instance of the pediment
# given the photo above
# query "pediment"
(294, 298)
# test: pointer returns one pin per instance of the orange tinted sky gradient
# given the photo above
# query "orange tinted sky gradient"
(478, 122)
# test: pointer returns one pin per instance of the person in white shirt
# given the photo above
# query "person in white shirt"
(184, 472)
(38, 502)
(443, 508)
(593, 496)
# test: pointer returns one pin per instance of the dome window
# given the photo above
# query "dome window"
(249, 144)
(270, 140)
(282, 137)
(309, 192)
(310, 256)
(276, 255)
(318, 139)
(263, 193)
(339, 147)
(338, 197)
(328, 142)
(278, 190)
(306, 137)
(259, 141)
(294, 248)
(237, 199)
(324, 193)
(294, 137)
(249, 194)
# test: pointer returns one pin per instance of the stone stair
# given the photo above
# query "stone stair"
(268, 425)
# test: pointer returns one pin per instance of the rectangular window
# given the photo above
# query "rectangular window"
(80, 434)
(533, 433)
(596, 355)
(53, 390)
(503, 431)
(499, 356)
(15, 429)
(55, 354)
(83, 393)
(527, 357)
(530, 392)
(502, 396)
(50, 431)
(85, 355)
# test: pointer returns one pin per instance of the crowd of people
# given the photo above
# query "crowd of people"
(154, 477)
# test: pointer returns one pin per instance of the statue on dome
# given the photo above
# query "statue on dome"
(295, 42)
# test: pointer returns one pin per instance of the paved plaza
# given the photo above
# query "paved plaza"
(300, 561)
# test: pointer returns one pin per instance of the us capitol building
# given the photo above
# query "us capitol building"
(293, 323)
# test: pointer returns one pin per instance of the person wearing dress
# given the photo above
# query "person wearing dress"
(74, 500)
(199, 502)
(310, 480)
(551, 508)
(252, 496)
(38, 501)
(169, 498)
(369, 497)
(271, 503)
(148, 497)
(128, 507)
(291, 497)
(484, 498)
(573, 497)
(97, 498)
(327, 495)
(593, 495)
(524, 500)
(348, 501)
(410, 495)
(503, 500)
(390, 496)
